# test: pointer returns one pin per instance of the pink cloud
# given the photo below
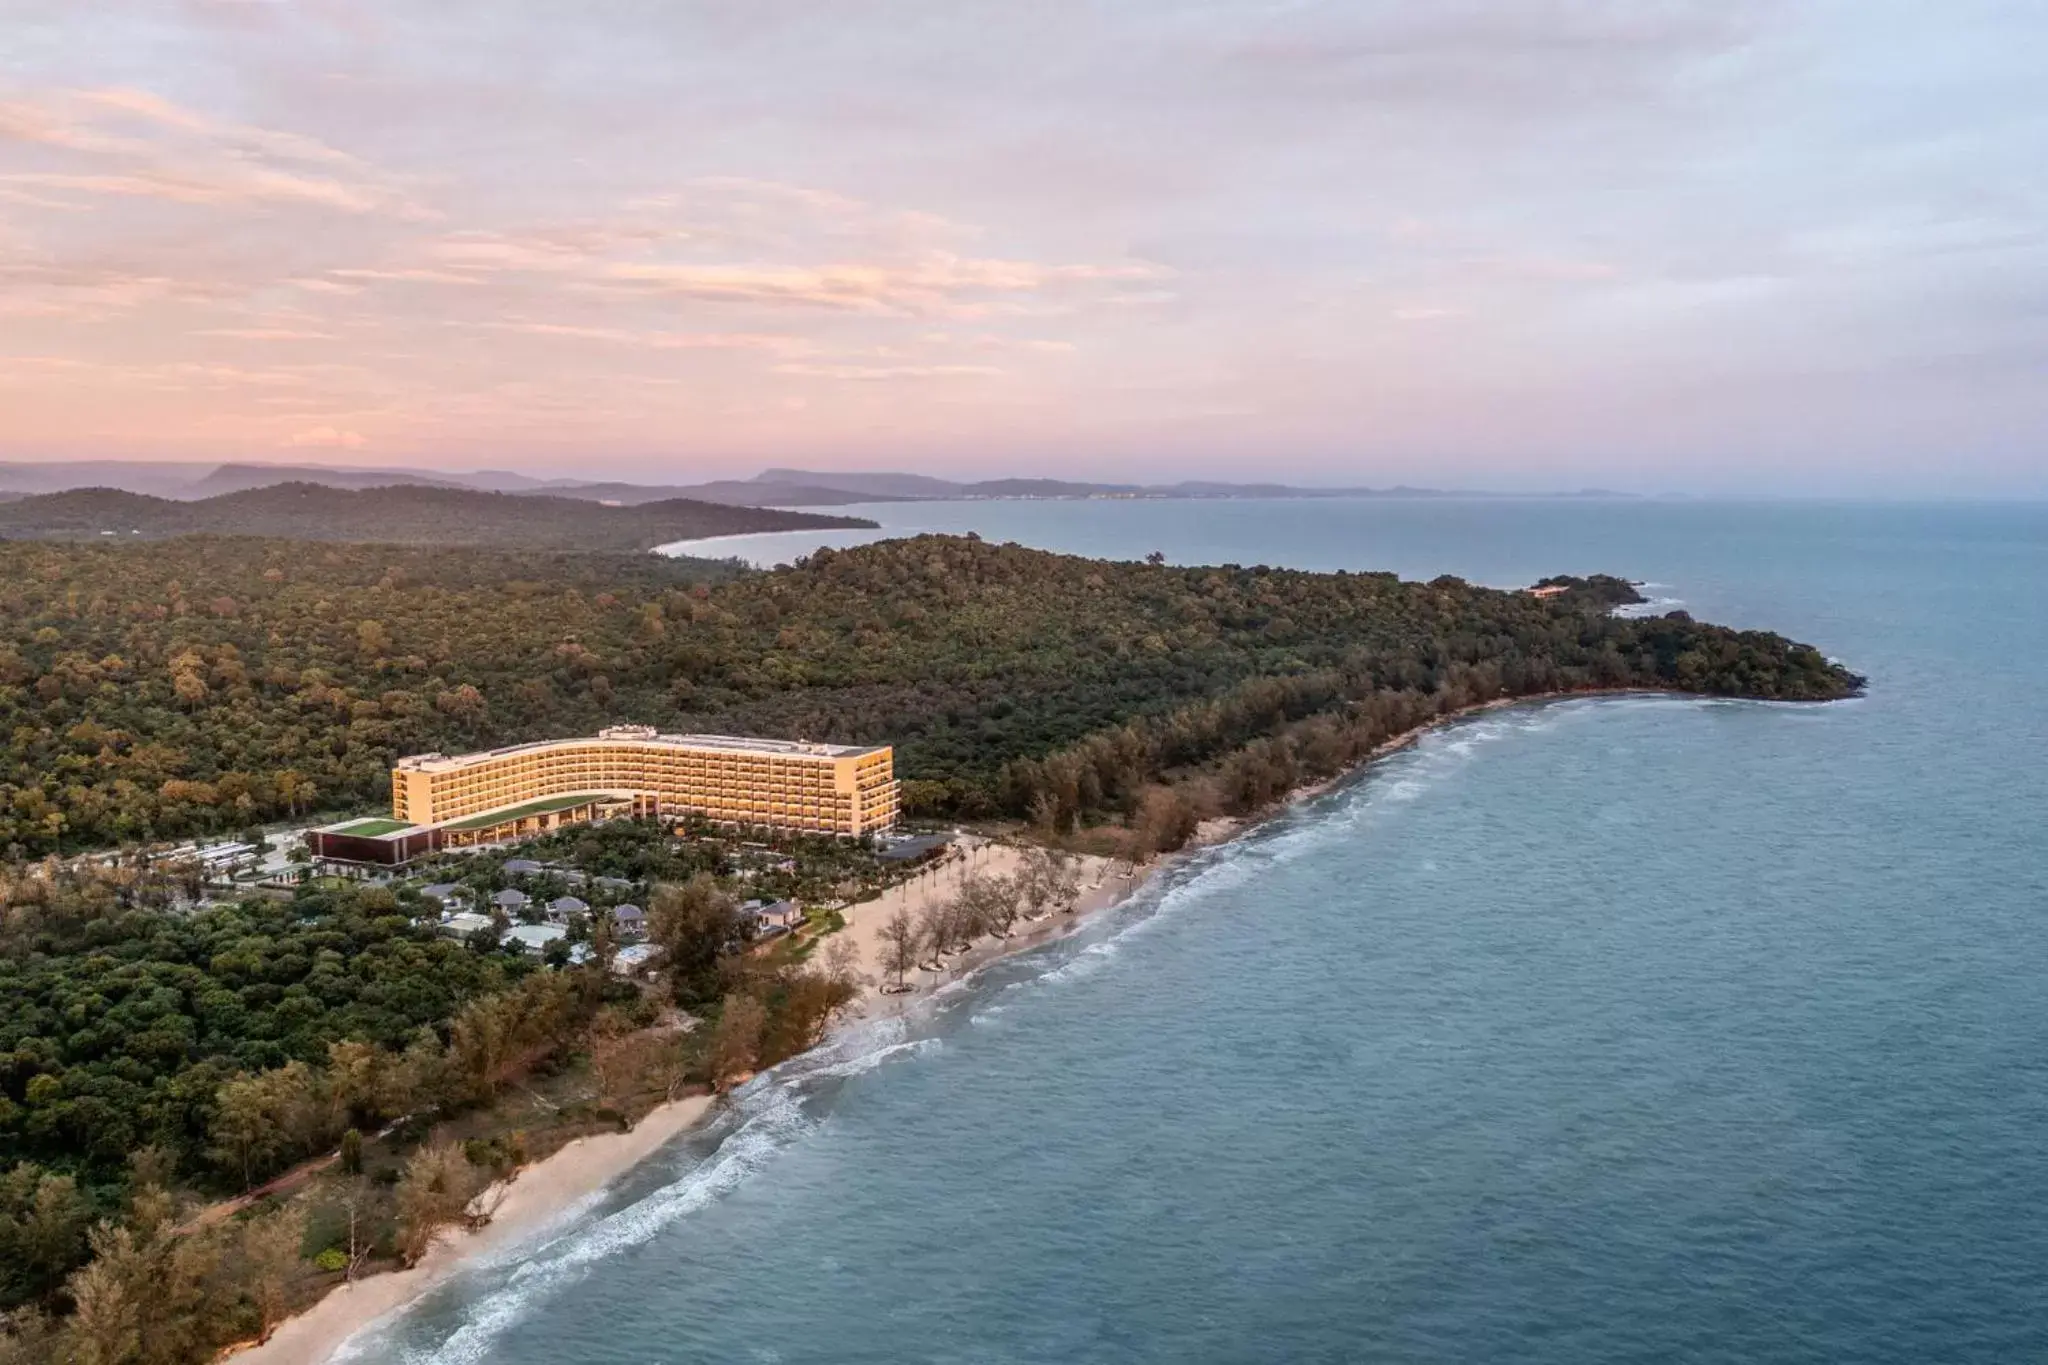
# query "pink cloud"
(185, 157)
(883, 372)
(327, 438)
(264, 334)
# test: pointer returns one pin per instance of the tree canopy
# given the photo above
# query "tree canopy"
(203, 684)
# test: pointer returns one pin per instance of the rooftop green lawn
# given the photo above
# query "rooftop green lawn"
(541, 807)
(371, 828)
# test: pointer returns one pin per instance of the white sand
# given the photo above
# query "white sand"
(546, 1188)
(1100, 886)
(530, 1200)
(543, 1190)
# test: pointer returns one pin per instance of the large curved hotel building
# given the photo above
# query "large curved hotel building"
(439, 801)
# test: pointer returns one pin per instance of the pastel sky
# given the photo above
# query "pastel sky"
(1705, 245)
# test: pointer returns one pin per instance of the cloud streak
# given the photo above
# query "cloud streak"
(136, 144)
(1498, 242)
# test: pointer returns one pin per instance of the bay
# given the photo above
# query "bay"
(1608, 1030)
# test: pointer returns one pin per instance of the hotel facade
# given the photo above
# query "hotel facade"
(442, 801)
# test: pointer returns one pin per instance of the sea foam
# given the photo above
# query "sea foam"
(767, 1116)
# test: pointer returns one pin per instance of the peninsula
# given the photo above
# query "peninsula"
(272, 1091)
(397, 514)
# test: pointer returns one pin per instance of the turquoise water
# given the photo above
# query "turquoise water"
(1612, 1030)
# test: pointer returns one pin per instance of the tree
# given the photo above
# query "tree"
(246, 1134)
(417, 1078)
(355, 1202)
(259, 1119)
(355, 1078)
(735, 1040)
(482, 1043)
(270, 1256)
(804, 1002)
(695, 925)
(936, 928)
(43, 1223)
(28, 1339)
(903, 944)
(352, 1152)
(1048, 881)
(610, 1047)
(842, 962)
(989, 904)
(1166, 820)
(433, 1192)
(106, 1313)
(604, 943)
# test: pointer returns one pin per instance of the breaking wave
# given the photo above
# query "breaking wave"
(768, 1115)
(782, 1107)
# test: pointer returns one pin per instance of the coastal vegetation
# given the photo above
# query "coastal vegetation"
(412, 515)
(203, 684)
(154, 1057)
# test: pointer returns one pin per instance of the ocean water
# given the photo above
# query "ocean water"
(1612, 1030)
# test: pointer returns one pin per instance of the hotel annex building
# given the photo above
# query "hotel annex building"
(439, 801)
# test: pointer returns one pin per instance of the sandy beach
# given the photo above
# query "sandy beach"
(1100, 886)
(542, 1191)
(527, 1203)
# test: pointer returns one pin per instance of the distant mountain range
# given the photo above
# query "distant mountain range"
(410, 514)
(770, 488)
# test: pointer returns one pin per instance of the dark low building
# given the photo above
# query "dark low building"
(911, 849)
(374, 842)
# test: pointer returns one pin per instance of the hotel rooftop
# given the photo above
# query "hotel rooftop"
(643, 735)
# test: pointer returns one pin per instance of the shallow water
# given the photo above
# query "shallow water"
(1606, 1030)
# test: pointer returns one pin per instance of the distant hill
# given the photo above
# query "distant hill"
(408, 515)
(238, 478)
(878, 485)
(779, 487)
(925, 486)
(136, 476)
(730, 492)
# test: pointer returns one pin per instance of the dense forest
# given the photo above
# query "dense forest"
(205, 684)
(415, 515)
(201, 684)
(153, 1059)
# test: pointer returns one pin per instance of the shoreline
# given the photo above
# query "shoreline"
(545, 1191)
(537, 1195)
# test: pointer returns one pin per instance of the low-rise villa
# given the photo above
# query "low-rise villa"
(532, 938)
(773, 917)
